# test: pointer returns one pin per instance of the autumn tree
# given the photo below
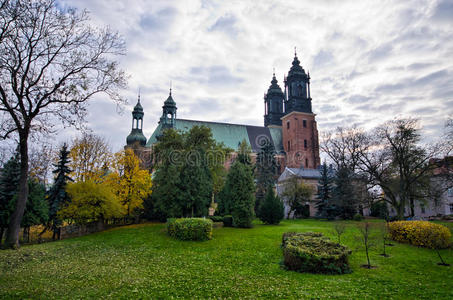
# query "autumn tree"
(40, 161)
(51, 62)
(90, 156)
(90, 202)
(130, 183)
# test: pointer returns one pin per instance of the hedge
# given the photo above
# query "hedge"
(190, 229)
(420, 233)
(216, 218)
(228, 221)
(314, 253)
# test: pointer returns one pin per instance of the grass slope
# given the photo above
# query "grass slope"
(141, 261)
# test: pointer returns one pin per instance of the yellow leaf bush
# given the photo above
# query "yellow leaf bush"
(420, 233)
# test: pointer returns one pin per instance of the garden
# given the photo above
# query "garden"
(143, 261)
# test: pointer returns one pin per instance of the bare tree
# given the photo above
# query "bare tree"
(339, 228)
(384, 235)
(51, 63)
(41, 155)
(365, 230)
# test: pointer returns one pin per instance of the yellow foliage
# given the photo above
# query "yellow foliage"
(420, 233)
(91, 201)
(130, 183)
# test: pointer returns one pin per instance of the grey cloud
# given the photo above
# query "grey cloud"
(226, 24)
(160, 20)
(215, 75)
(432, 78)
(358, 99)
(380, 52)
(425, 111)
(419, 66)
(444, 11)
(322, 59)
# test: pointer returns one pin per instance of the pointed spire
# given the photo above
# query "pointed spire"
(295, 52)
(138, 95)
(170, 87)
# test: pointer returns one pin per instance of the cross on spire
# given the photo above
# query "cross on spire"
(170, 87)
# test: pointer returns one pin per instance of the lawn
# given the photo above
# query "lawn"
(141, 261)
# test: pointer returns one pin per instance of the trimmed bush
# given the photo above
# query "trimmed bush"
(357, 217)
(190, 229)
(312, 252)
(420, 233)
(228, 221)
(216, 218)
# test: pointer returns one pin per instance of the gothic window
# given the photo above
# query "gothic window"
(299, 90)
(306, 163)
(289, 146)
(304, 123)
(287, 125)
(305, 144)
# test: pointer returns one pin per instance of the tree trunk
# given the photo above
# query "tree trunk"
(2, 229)
(12, 234)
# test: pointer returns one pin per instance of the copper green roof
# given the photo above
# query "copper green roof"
(230, 134)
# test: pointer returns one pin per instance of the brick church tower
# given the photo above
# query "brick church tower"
(299, 131)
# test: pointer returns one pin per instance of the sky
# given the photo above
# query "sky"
(369, 61)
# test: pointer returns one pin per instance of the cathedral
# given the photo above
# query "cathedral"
(289, 124)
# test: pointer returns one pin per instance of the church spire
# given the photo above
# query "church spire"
(273, 103)
(168, 111)
(136, 135)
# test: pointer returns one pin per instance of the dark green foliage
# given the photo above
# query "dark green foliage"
(302, 210)
(9, 182)
(216, 218)
(242, 189)
(379, 210)
(271, 210)
(37, 209)
(166, 196)
(244, 153)
(195, 185)
(57, 196)
(324, 205)
(265, 173)
(357, 217)
(228, 221)
(311, 252)
(343, 194)
(190, 229)
(224, 203)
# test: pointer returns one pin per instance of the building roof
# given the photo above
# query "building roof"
(304, 173)
(230, 134)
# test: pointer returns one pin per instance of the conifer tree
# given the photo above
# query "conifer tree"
(324, 204)
(244, 152)
(9, 181)
(344, 197)
(242, 189)
(57, 196)
(271, 210)
(265, 172)
(37, 209)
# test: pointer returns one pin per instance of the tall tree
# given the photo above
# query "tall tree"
(90, 156)
(343, 195)
(324, 205)
(271, 210)
(265, 172)
(51, 62)
(130, 183)
(57, 196)
(242, 193)
(37, 209)
(244, 153)
(9, 180)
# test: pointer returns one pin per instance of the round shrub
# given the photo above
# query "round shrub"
(357, 217)
(228, 221)
(190, 229)
(420, 233)
(314, 253)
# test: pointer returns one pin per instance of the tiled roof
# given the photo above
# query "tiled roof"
(230, 134)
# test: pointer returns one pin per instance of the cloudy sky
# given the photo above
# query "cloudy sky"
(369, 60)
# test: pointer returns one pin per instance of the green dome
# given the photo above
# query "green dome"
(135, 136)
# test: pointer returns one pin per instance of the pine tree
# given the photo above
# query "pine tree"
(344, 197)
(242, 189)
(324, 205)
(57, 196)
(37, 209)
(244, 152)
(265, 172)
(9, 182)
(271, 210)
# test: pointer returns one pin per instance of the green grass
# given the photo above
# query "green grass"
(141, 261)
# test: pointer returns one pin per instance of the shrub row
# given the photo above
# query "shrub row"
(216, 218)
(190, 229)
(420, 233)
(314, 253)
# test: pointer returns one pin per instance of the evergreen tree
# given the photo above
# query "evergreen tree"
(242, 189)
(166, 197)
(225, 203)
(325, 206)
(344, 197)
(37, 209)
(9, 182)
(265, 172)
(244, 152)
(57, 196)
(271, 210)
(196, 186)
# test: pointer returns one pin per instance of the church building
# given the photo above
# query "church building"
(289, 123)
